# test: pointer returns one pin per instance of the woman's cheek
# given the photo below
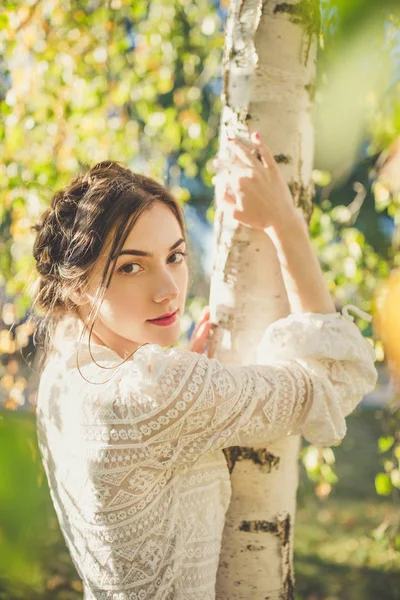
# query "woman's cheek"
(185, 280)
(128, 302)
(109, 309)
(115, 300)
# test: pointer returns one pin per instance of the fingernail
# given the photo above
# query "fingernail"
(257, 135)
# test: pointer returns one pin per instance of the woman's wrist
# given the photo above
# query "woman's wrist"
(302, 275)
(287, 228)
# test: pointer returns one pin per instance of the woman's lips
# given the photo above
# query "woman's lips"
(165, 321)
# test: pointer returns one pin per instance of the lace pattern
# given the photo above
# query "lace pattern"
(135, 467)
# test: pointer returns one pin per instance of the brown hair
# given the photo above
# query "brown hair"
(72, 231)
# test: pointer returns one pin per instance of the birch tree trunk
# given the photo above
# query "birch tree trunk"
(269, 82)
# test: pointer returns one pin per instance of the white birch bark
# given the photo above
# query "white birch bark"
(269, 78)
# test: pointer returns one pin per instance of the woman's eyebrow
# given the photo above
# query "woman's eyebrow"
(142, 253)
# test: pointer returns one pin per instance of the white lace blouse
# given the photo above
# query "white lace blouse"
(135, 465)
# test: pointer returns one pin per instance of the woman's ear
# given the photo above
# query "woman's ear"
(78, 297)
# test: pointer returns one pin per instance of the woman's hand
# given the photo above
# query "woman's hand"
(199, 338)
(255, 188)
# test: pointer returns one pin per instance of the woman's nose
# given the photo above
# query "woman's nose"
(167, 288)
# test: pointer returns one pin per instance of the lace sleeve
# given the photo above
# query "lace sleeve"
(181, 405)
(339, 363)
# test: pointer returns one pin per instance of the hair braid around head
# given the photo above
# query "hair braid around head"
(53, 235)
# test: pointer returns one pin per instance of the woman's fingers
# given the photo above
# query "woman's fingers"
(242, 152)
(236, 161)
(240, 178)
(244, 156)
(241, 171)
(265, 153)
(201, 332)
(231, 175)
(200, 338)
(204, 316)
(250, 182)
(229, 197)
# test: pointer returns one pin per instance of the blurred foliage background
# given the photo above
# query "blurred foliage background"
(140, 82)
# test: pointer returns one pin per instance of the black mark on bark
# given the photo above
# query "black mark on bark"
(259, 456)
(302, 197)
(282, 159)
(294, 10)
(311, 89)
(254, 548)
(241, 7)
(256, 526)
(283, 532)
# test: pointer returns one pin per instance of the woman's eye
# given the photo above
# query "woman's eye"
(126, 269)
(180, 255)
(134, 268)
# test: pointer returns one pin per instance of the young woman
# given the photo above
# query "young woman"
(131, 432)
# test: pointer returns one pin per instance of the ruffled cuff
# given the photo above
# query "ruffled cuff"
(317, 335)
(338, 359)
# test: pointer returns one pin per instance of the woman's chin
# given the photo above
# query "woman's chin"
(166, 336)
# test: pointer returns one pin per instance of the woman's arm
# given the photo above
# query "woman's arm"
(302, 275)
(179, 405)
(261, 199)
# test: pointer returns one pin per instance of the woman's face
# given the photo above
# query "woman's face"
(150, 279)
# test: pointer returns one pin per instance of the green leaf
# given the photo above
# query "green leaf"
(395, 478)
(328, 455)
(329, 474)
(385, 443)
(383, 484)
(4, 22)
